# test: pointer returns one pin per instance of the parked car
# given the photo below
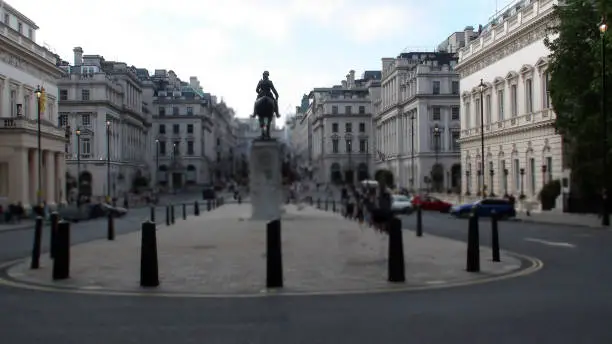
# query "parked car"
(401, 204)
(431, 203)
(209, 192)
(89, 211)
(485, 208)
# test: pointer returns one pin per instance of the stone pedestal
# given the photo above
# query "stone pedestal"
(265, 180)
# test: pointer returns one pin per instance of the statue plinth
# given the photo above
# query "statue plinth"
(265, 180)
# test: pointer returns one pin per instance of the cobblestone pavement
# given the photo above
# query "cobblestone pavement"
(223, 253)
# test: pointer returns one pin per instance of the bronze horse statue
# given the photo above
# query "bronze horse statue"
(264, 110)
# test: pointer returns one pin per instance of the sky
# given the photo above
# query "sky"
(228, 44)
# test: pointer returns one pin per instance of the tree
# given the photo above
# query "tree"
(575, 66)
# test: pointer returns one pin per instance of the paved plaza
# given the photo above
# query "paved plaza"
(223, 253)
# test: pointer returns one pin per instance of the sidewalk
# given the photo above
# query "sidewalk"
(24, 224)
(223, 253)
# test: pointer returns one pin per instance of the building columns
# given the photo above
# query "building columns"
(19, 177)
(50, 179)
(60, 177)
(33, 168)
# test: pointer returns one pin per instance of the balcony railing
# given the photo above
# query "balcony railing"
(30, 125)
(523, 121)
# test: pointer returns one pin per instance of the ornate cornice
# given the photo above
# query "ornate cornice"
(530, 33)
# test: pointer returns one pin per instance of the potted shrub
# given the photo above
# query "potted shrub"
(549, 193)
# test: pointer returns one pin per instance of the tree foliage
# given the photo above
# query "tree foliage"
(575, 68)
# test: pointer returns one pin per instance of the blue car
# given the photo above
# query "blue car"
(485, 208)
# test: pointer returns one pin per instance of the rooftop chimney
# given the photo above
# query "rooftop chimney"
(78, 56)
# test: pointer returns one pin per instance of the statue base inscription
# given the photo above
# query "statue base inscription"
(265, 180)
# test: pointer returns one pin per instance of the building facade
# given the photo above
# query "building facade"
(417, 120)
(25, 68)
(340, 124)
(183, 140)
(521, 148)
(101, 109)
(225, 141)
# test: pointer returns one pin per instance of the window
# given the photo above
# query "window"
(363, 146)
(488, 108)
(162, 147)
(63, 94)
(85, 120)
(189, 128)
(175, 111)
(436, 87)
(7, 19)
(528, 96)
(162, 111)
(335, 146)
(477, 111)
(334, 110)
(532, 175)
(362, 110)
(190, 148)
(455, 113)
(348, 110)
(500, 104)
(455, 135)
(362, 127)
(84, 94)
(85, 146)
(502, 174)
(162, 128)
(349, 145)
(455, 87)
(13, 100)
(546, 84)
(348, 127)
(62, 120)
(468, 115)
(549, 168)
(513, 100)
(30, 33)
(20, 27)
(189, 111)
(176, 128)
(26, 105)
(517, 175)
(334, 127)
(436, 113)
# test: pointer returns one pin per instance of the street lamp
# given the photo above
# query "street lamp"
(491, 173)
(39, 92)
(436, 133)
(78, 135)
(108, 174)
(467, 182)
(522, 173)
(156, 163)
(605, 218)
(412, 118)
(349, 149)
(481, 88)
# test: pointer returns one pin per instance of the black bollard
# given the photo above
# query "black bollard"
(149, 272)
(495, 236)
(419, 220)
(35, 263)
(172, 218)
(110, 233)
(184, 211)
(333, 205)
(61, 263)
(168, 215)
(395, 263)
(274, 255)
(239, 199)
(473, 244)
(196, 208)
(152, 214)
(311, 200)
(326, 204)
(208, 205)
(318, 203)
(52, 233)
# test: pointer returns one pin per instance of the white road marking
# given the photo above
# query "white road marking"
(551, 243)
(436, 282)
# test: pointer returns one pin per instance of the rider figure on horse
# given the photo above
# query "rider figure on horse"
(265, 88)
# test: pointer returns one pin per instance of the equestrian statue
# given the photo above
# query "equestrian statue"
(266, 105)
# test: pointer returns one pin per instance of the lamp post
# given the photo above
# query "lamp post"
(435, 178)
(156, 163)
(481, 88)
(38, 139)
(605, 215)
(491, 173)
(108, 174)
(467, 182)
(478, 176)
(412, 118)
(522, 173)
(349, 149)
(78, 135)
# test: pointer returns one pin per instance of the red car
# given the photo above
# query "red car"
(431, 203)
